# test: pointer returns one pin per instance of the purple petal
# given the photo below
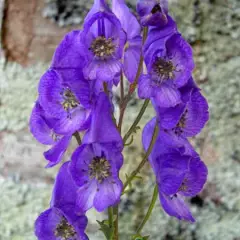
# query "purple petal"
(166, 142)
(46, 224)
(79, 86)
(166, 96)
(172, 172)
(102, 129)
(197, 115)
(169, 116)
(85, 197)
(176, 207)
(182, 57)
(145, 88)
(132, 58)
(128, 20)
(157, 35)
(108, 194)
(49, 94)
(107, 70)
(39, 126)
(152, 12)
(80, 161)
(98, 5)
(65, 189)
(69, 53)
(55, 154)
(76, 120)
(195, 178)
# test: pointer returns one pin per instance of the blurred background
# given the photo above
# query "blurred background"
(31, 30)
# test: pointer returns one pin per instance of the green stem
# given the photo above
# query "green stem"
(78, 137)
(150, 209)
(115, 211)
(144, 160)
(137, 120)
(110, 220)
(124, 102)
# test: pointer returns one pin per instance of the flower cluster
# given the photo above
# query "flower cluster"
(181, 110)
(75, 99)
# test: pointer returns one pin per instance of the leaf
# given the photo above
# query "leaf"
(139, 237)
(104, 227)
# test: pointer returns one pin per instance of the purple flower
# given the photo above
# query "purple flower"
(166, 142)
(68, 102)
(178, 169)
(133, 46)
(95, 169)
(41, 127)
(60, 222)
(186, 119)
(102, 129)
(170, 68)
(180, 177)
(103, 40)
(153, 12)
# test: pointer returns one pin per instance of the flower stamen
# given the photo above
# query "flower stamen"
(164, 69)
(102, 47)
(70, 100)
(99, 169)
(64, 230)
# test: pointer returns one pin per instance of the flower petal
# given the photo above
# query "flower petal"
(80, 161)
(108, 194)
(166, 96)
(176, 207)
(55, 154)
(195, 178)
(85, 197)
(65, 189)
(132, 58)
(145, 88)
(39, 127)
(197, 115)
(102, 129)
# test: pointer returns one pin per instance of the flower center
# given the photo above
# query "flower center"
(70, 101)
(164, 69)
(181, 123)
(99, 169)
(64, 230)
(102, 47)
(156, 9)
(183, 186)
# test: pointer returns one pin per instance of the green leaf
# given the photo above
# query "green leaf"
(104, 227)
(139, 237)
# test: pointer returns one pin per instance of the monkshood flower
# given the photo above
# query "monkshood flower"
(41, 127)
(60, 222)
(133, 46)
(153, 12)
(103, 40)
(69, 101)
(178, 169)
(170, 67)
(95, 165)
(179, 177)
(95, 169)
(165, 142)
(186, 119)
